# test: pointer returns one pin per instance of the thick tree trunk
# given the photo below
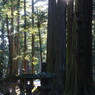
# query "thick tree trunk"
(70, 46)
(84, 48)
(50, 36)
(56, 46)
(60, 45)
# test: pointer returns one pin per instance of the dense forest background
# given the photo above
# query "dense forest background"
(23, 35)
(60, 33)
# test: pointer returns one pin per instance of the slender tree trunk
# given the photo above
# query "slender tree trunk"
(18, 38)
(2, 49)
(25, 45)
(12, 39)
(18, 28)
(7, 28)
(2, 43)
(33, 38)
(10, 52)
(40, 42)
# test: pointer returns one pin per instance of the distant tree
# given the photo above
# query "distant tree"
(33, 38)
(41, 17)
(25, 37)
(40, 42)
(2, 48)
(13, 53)
(18, 36)
(2, 42)
(16, 22)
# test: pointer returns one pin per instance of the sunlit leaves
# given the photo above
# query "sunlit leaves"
(39, 15)
(35, 60)
(18, 57)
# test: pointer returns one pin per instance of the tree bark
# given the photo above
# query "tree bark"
(2, 43)
(50, 36)
(33, 38)
(17, 36)
(56, 46)
(2, 49)
(12, 39)
(25, 45)
(40, 43)
(70, 52)
(60, 45)
(84, 48)
(10, 52)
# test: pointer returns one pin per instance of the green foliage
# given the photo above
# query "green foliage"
(41, 16)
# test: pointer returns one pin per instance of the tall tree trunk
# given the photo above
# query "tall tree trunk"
(33, 38)
(84, 48)
(2, 43)
(10, 52)
(56, 56)
(50, 35)
(2, 49)
(70, 45)
(17, 36)
(7, 28)
(60, 45)
(50, 41)
(12, 39)
(40, 43)
(25, 45)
